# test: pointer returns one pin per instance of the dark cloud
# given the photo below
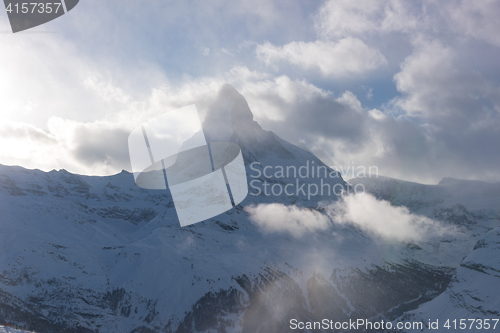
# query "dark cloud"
(319, 117)
(96, 146)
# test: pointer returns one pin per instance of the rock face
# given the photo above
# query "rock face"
(99, 254)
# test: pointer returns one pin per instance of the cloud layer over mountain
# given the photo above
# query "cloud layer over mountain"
(375, 217)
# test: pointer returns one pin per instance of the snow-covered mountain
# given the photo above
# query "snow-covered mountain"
(473, 207)
(99, 254)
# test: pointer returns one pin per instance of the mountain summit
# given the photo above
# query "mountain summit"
(229, 118)
(228, 114)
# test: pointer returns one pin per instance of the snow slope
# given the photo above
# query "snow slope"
(6, 329)
(473, 206)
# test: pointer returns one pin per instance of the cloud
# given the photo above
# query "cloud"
(347, 56)
(350, 100)
(458, 108)
(343, 132)
(339, 129)
(20, 131)
(377, 114)
(90, 148)
(99, 147)
(445, 122)
(345, 18)
(288, 107)
(477, 19)
(464, 18)
(91, 144)
(272, 218)
(27, 145)
(174, 35)
(105, 88)
(270, 99)
(432, 85)
(380, 218)
(376, 217)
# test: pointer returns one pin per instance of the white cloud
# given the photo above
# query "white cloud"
(270, 98)
(377, 114)
(296, 221)
(424, 77)
(463, 18)
(376, 217)
(29, 146)
(242, 73)
(433, 85)
(205, 51)
(380, 218)
(350, 100)
(87, 148)
(105, 88)
(347, 56)
(477, 19)
(340, 18)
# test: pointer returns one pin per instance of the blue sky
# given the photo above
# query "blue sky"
(412, 87)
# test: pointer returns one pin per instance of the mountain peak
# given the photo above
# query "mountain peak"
(228, 114)
(229, 119)
(235, 103)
